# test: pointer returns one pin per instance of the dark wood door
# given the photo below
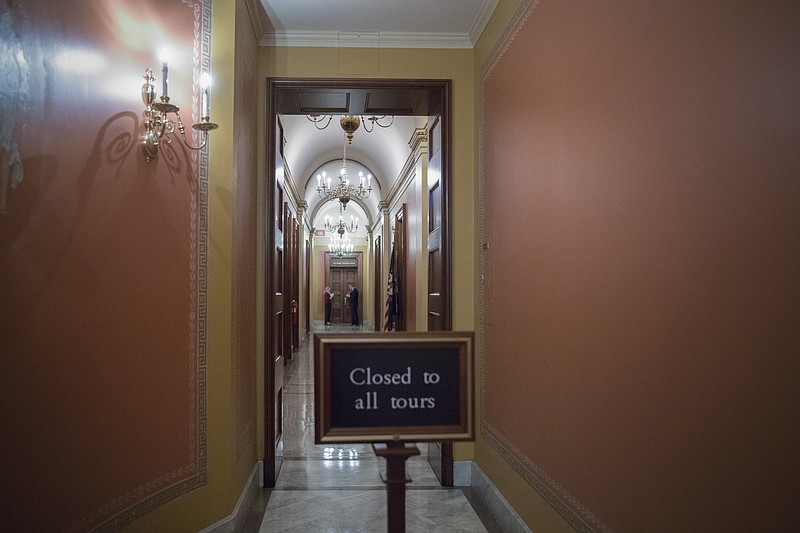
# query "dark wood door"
(400, 266)
(286, 283)
(435, 265)
(307, 302)
(440, 454)
(339, 278)
(274, 315)
(339, 287)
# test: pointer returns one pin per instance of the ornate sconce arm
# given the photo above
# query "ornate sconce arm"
(158, 125)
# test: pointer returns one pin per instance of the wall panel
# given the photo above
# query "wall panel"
(102, 265)
(640, 318)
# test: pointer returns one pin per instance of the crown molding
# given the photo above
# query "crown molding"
(258, 16)
(320, 39)
(483, 19)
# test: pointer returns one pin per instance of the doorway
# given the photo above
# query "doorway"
(422, 98)
(338, 284)
(340, 273)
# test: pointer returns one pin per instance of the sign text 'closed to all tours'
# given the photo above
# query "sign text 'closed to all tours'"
(383, 387)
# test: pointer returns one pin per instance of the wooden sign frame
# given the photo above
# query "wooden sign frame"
(397, 386)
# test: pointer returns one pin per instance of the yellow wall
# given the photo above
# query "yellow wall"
(227, 476)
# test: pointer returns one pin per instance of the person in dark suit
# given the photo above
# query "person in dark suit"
(353, 305)
(328, 295)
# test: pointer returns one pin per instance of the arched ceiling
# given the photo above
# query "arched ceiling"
(383, 153)
(309, 148)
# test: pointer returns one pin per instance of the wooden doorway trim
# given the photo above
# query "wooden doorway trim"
(353, 262)
(430, 98)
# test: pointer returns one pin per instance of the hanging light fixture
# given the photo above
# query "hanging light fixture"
(343, 191)
(350, 123)
(340, 246)
(340, 227)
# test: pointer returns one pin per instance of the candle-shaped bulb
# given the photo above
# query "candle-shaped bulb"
(165, 73)
(205, 84)
(319, 181)
(369, 181)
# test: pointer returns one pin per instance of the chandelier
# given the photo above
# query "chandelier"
(350, 123)
(340, 227)
(343, 191)
(340, 246)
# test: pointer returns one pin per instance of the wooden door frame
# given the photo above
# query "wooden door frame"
(437, 101)
(360, 261)
(307, 274)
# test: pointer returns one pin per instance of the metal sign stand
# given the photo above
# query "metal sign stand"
(396, 454)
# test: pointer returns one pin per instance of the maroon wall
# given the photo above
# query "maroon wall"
(642, 209)
(101, 267)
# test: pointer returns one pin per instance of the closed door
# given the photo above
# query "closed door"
(340, 277)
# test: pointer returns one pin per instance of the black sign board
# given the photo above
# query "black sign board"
(381, 387)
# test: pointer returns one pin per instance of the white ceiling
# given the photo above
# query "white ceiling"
(382, 23)
(360, 23)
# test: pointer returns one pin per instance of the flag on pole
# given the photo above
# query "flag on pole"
(392, 299)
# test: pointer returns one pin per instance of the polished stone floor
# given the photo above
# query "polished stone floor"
(338, 489)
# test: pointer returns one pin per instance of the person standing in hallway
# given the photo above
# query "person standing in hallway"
(353, 297)
(328, 295)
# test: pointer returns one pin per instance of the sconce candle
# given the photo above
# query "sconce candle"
(205, 83)
(165, 80)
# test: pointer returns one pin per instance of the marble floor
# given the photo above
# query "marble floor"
(337, 488)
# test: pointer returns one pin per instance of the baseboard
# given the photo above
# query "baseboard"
(502, 512)
(462, 473)
(237, 518)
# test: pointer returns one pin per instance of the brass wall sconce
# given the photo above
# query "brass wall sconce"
(157, 123)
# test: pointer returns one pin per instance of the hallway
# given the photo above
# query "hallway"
(337, 488)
